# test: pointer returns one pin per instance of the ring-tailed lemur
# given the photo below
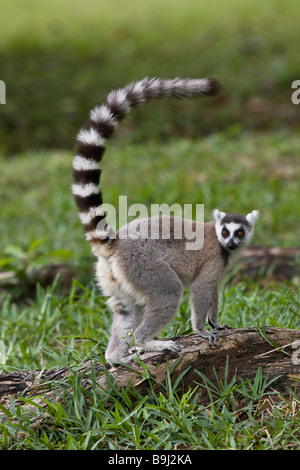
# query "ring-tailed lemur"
(144, 278)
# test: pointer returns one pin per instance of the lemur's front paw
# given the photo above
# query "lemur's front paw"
(223, 327)
(212, 336)
(217, 326)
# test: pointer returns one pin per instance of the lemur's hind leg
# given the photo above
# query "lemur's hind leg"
(126, 319)
(165, 291)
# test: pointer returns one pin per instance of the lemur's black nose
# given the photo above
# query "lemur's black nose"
(231, 245)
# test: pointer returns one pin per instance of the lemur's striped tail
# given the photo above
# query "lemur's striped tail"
(103, 120)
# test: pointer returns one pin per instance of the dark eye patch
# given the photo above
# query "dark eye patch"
(239, 233)
(225, 232)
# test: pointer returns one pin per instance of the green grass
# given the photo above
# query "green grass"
(60, 59)
(57, 330)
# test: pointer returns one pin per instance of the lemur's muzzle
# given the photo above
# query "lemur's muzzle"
(231, 245)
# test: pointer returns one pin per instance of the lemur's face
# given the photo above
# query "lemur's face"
(234, 230)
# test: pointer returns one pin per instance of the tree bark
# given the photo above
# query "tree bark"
(239, 353)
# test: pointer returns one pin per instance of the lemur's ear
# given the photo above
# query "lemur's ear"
(218, 215)
(252, 217)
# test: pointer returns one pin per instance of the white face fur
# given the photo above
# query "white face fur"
(234, 230)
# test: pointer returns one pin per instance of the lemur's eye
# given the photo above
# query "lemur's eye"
(225, 233)
(240, 234)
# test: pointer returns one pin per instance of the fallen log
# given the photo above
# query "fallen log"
(239, 353)
(267, 264)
